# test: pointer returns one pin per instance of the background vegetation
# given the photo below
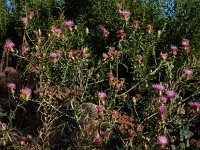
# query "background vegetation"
(109, 74)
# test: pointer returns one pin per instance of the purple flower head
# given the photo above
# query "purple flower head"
(136, 24)
(118, 86)
(174, 49)
(110, 76)
(149, 28)
(194, 104)
(11, 86)
(53, 56)
(69, 24)
(162, 140)
(106, 33)
(4, 126)
(24, 50)
(119, 7)
(103, 96)
(162, 111)
(24, 20)
(158, 87)
(26, 93)
(163, 99)
(188, 73)
(57, 31)
(101, 27)
(84, 49)
(9, 44)
(138, 58)
(121, 34)
(98, 140)
(31, 14)
(104, 30)
(105, 55)
(125, 15)
(185, 42)
(100, 109)
(170, 94)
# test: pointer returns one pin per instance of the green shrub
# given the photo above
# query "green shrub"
(98, 78)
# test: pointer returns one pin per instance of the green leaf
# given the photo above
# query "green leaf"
(185, 134)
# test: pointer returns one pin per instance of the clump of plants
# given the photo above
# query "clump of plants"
(66, 94)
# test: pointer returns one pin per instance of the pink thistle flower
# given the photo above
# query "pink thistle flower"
(117, 54)
(162, 111)
(106, 33)
(23, 138)
(121, 34)
(24, 50)
(163, 99)
(105, 134)
(149, 28)
(57, 31)
(100, 109)
(194, 104)
(26, 93)
(24, 20)
(85, 53)
(39, 55)
(11, 87)
(69, 24)
(188, 73)
(84, 49)
(125, 15)
(104, 30)
(138, 58)
(170, 94)
(118, 86)
(136, 24)
(101, 27)
(185, 42)
(53, 57)
(102, 96)
(31, 14)
(105, 56)
(36, 69)
(98, 140)
(158, 87)
(4, 126)
(174, 49)
(187, 49)
(131, 133)
(119, 7)
(115, 114)
(9, 44)
(110, 76)
(162, 140)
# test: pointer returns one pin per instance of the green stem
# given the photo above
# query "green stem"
(152, 73)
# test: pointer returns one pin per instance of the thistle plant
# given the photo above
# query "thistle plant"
(104, 83)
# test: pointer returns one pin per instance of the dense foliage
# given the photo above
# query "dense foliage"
(106, 74)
